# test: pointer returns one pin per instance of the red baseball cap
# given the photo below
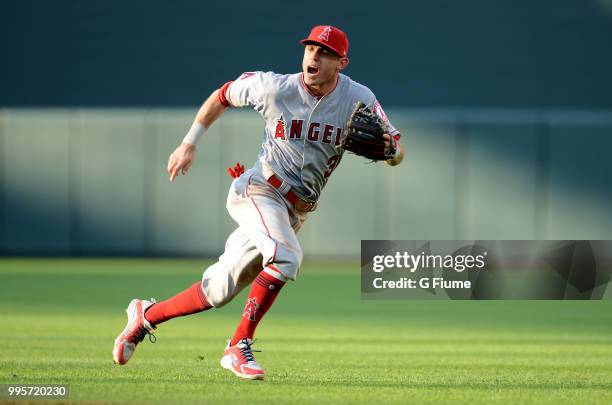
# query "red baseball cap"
(329, 37)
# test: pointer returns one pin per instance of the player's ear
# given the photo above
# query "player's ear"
(343, 63)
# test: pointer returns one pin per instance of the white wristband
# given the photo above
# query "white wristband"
(195, 133)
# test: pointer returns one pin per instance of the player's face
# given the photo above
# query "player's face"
(321, 66)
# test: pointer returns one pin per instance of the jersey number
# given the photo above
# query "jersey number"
(332, 163)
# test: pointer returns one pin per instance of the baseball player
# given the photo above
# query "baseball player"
(304, 115)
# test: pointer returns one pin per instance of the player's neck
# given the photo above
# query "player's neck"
(324, 89)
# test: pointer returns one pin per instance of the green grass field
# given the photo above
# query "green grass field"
(320, 341)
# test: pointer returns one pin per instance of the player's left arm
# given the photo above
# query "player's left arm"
(399, 151)
(393, 137)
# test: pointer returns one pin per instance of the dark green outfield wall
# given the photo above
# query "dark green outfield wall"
(481, 53)
(94, 182)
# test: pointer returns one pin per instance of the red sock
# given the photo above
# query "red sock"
(187, 302)
(263, 292)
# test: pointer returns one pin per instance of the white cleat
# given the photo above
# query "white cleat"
(136, 329)
(239, 360)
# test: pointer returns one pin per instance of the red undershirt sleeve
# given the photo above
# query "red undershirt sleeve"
(223, 94)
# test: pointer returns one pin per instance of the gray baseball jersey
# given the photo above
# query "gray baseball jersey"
(302, 131)
(300, 146)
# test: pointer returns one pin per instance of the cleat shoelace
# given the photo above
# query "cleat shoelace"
(247, 351)
(142, 333)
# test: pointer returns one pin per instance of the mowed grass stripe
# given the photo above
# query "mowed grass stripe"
(320, 342)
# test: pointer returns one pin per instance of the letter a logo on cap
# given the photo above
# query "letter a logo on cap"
(324, 36)
(329, 36)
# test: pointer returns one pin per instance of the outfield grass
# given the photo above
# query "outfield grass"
(320, 341)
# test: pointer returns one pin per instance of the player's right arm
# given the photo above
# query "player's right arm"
(248, 90)
(182, 158)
